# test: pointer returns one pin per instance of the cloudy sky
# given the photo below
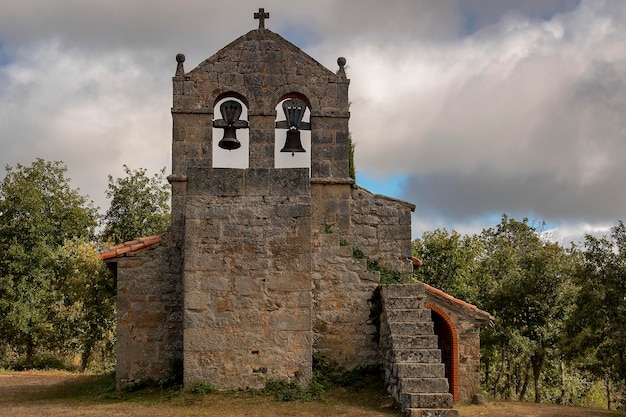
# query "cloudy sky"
(466, 108)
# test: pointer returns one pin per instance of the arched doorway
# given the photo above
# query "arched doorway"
(448, 344)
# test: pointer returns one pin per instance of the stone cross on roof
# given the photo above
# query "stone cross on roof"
(262, 15)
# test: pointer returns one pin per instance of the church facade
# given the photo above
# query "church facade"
(263, 266)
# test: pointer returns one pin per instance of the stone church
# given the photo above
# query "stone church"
(264, 266)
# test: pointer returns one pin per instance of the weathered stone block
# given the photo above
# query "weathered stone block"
(427, 400)
(414, 342)
(419, 370)
(231, 79)
(253, 79)
(291, 319)
(412, 315)
(408, 329)
(215, 181)
(402, 290)
(422, 355)
(294, 210)
(257, 181)
(288, 281)
(320, 169)
(290, 182)
(431, 385)
(405, 303)
(246, 285)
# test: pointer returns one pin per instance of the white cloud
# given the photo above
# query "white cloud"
(522, 116)
(95, 113)
(485, 106)
(576, 233)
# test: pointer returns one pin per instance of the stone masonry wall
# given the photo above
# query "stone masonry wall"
(149, 305)
(469, 364)
(343, 288)
(346, 217)
(381, 228)
(247, 278)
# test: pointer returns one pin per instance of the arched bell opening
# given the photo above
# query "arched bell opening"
(231, 133)
(448, 344)
(292, 145)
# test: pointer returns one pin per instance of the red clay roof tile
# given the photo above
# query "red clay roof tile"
(131, 246)
(438, 292)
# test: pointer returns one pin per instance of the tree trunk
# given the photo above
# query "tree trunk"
(487, 369)
(537, 363)
(88, 344)
(30, 349)
(508, 386)
(85, 356)
(607, 385)
(497, 380)
(522, 393)
(561, 398)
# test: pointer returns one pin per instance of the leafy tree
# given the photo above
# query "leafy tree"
(597, 327)
(39, 211)
(139, 206)
(450, 263)
(87, 314)
(530, 297)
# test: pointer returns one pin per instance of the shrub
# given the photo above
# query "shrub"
(42, 361)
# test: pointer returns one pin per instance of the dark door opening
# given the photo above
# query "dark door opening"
(446, 343)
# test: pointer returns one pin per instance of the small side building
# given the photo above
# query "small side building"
(457, 325)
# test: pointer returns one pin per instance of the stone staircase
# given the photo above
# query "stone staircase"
(414, 373)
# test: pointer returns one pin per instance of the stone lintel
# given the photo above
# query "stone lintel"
(250, 181)
(332, 181)
(331, 113)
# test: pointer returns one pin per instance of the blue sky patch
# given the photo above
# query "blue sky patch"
(391, 186)
(4, 56)
(301, 36)
(477, 15)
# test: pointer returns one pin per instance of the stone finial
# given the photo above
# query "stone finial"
(180, 70)
(341, 61)
(262, 15)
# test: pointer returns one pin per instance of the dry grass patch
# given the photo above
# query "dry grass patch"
(50, 393)
(519, 409)
(43, 394)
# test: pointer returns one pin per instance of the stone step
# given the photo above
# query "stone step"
(411, 328)
(413, 367)
(419, 356)
(427, 400)
(404, 302)
(430, 412)
(402, 290)
(420, 370)
(408, 315)
(423, 385)
(414, 342)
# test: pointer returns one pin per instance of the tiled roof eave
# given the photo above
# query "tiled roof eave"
(130, 246)
(468, 308)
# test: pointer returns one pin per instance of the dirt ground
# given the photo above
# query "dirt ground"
(49, 393)
(18, 384)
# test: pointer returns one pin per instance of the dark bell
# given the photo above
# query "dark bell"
(229, 141)
(293, 143)
(231, 111)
